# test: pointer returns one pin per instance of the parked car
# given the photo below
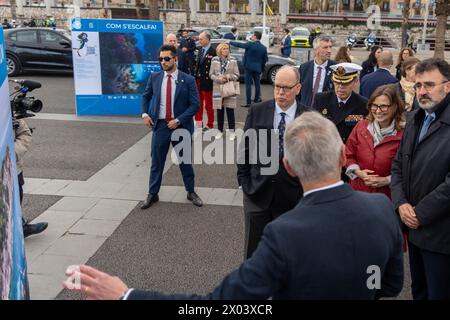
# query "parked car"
(43, 49)
(300, 37)
(260, 29)
(274, 62)
(224, 29)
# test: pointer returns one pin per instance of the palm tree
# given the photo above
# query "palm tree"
(153, 10)
(13, 5)
(442, 12)
(405, 21)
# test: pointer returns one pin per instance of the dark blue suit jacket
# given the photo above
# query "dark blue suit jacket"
(286, 50)
(255, 56)
(307, 78)
(371, 81)
(186, 101)
(229, 36)
(321, 249)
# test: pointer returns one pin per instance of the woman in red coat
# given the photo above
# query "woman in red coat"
(374, 142)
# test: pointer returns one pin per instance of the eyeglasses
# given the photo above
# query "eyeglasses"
(166, 59)
(286, 89)
(427, 85)
(383, 107)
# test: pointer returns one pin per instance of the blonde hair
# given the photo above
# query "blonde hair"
(221, 47)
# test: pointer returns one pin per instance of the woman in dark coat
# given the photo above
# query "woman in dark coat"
(371, 64)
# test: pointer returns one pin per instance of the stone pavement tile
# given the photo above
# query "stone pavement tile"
(220, 196)
(77, 189)
(32, 184)
(107, 209)
(45, 287)
(83, 246)
(58, 224)
(180, 196)
(106, 189)
(103, 228)
(238, 199)
(52, 187)
(132, 192)
(52, 265)
(78, 204)
(167, 193)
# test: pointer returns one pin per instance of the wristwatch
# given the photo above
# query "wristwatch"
(177, 121)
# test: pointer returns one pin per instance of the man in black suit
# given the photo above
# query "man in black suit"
(337, 243)
(343, 106)
(268, 195)
(382, 76)
(315, 75)
(203, 57)
(421, 182)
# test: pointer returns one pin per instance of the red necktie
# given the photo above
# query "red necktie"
(169, 98)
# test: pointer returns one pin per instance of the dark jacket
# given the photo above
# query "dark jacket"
(186, 102)
(230, 36)
(374, 80)
(307, 78)
(255, 56)
(345, 119)
(286, 50)
(421, 177)
(260, 188)
(366, 69)
(324, 248)
(186, 59)
(203, 66)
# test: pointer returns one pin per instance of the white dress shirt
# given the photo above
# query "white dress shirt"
(162, 105)
(334, 185)
(322, 74)
(290, 114)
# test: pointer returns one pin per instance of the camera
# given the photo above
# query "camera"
(20, 103)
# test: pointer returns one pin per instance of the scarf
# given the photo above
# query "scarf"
(408, 88)
(380, 133)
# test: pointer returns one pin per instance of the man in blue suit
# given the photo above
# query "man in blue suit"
(169, 102)
(231, 35)
(255, 58)
(370, 82)
(286, 44)
(336, 243)
(315, 75)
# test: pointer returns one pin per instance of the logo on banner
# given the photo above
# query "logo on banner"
(76, 24)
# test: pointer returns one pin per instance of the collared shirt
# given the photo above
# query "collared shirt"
(344, 101)
(162, 106)
(290, 114)
(334, 185)
(205, 50)
(322, 74)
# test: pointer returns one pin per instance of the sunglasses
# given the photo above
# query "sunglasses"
(166, 59)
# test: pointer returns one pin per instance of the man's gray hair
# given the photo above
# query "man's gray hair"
(320, 39)
(312, 146)
(293, 69)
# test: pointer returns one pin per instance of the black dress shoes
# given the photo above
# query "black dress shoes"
(257, 100)
(151, 199)
(192, 196)
(30, 229)
(245, 105)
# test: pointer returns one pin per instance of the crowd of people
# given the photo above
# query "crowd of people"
(362, 177)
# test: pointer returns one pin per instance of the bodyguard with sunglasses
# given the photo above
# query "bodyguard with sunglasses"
(421, 182)
(169, 103)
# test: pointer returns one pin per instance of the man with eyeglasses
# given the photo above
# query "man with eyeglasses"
(420, 182)
(169, 102)
(267, 196)
(343, 106)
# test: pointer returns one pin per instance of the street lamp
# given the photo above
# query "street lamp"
(265, 36)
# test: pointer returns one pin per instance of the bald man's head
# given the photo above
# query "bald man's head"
(171, 39)
(385, 60)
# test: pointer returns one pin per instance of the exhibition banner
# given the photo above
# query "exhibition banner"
(13, 266)
(112, 60)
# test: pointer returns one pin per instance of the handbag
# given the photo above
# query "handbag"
(228, 89)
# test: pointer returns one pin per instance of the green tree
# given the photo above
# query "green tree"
(442, 12)
(405, 21)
